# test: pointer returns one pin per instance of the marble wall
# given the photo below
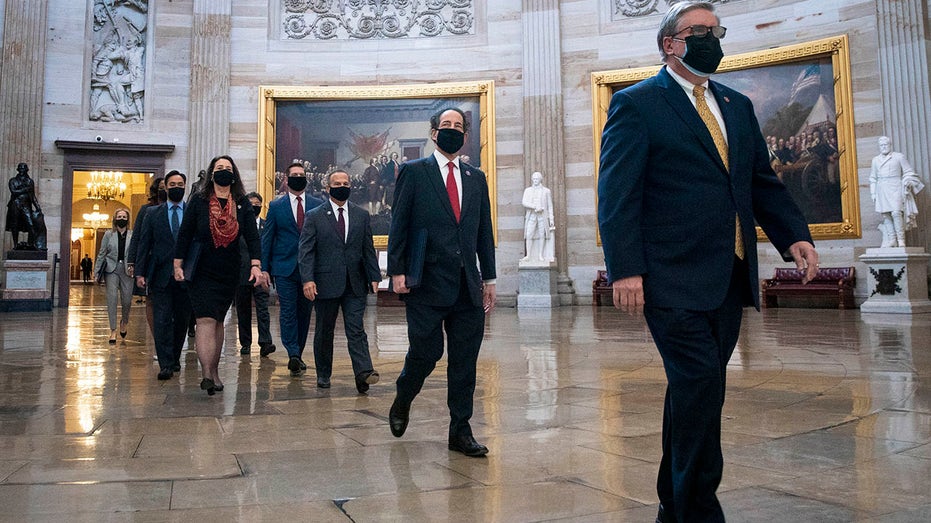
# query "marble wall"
(590, 40)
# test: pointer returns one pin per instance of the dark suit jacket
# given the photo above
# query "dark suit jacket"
(280, 236)
(325, 259)
(156, 248)
(667, 205)
(421, 202)
(245, 265)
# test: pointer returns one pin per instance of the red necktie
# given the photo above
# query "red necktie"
(452, 191)
(341, 225)
(300, 214)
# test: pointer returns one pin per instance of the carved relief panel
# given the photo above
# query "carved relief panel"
(621, 9)
(375, 19)
(119, 35)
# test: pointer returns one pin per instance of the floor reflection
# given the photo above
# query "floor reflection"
(828, 417)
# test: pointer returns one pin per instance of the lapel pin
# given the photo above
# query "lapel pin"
(726, 99)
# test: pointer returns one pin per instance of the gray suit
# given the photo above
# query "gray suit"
(119, 283)
(343, 272)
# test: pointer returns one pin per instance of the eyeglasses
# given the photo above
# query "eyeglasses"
(702, 30)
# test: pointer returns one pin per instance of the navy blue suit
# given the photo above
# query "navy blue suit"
(171, 305)
(279, 257)
(666, 211)
(343, 271)
(450, 292)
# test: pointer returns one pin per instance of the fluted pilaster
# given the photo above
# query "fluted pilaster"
(543, 116)
(22, 82)
(210, 82)
(903, 66)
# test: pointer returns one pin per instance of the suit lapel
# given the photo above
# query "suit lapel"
(468, 189)
(730, 123)
(432, 169)
(680, 103)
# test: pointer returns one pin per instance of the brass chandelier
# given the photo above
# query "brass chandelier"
(106, 185)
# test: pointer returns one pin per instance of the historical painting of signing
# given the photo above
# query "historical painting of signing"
(802, 98)
(368, 132)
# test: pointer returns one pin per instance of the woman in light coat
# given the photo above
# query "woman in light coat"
(112, 260)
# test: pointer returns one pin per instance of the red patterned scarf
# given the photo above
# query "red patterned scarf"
(224, 227)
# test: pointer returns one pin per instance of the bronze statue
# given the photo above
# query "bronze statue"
(23, 213)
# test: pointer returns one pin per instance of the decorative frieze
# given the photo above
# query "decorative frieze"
(375, 19)
(621, 9)
(118, 61)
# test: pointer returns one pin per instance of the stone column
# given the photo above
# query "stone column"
(210, 82)
(903, 66)
(543, 119)
(22, 86)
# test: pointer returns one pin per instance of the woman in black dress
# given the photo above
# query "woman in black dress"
(216, 217)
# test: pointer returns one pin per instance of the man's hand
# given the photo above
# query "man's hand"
(628, 293)
(489, 296)
(129, 270)
(310, 290)
(140, 281)
(375, 287)
(179, 273)
(399, 284)
(806, 258)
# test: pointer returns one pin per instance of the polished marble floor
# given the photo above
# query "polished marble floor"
(828, 418)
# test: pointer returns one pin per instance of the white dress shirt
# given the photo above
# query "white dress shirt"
(442, 161)
(687, 86)
(294, 203)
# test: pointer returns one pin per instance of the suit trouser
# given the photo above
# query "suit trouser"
(464, 324)
(171, 308)
(293, 314)
(119, 287)
(358, 343)
(244, 295)
(695, 347)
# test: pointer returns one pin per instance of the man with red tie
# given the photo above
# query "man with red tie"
(283, 224)
(444, 203)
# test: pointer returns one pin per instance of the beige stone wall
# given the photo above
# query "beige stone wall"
(590, 42)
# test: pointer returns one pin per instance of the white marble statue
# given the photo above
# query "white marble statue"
(893, 186)
(539, 224)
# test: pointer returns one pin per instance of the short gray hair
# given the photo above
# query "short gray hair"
(668, 26)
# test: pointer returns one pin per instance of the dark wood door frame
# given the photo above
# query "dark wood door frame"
(99, 156)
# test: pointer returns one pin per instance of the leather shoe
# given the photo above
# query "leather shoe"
(662, 516)
(303, 365)
(468, 446)
(209, 386)
(323, 383)
(265, 350)
(165, 374)
(176, 367)
(245, 350)
(398, 417)
(294, 365)
(364, 379)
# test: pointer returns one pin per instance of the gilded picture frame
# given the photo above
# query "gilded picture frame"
(801, 89)
(328, 127)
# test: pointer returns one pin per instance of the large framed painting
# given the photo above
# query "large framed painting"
(803, 100)
(367, 131)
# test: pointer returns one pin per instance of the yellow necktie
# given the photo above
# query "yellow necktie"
(712, 123)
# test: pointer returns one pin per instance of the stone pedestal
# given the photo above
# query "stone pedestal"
(898, 280)
(537, 285)
(26, 286)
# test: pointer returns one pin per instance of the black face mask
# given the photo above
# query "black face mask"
(223, 178)
(449, 140)
(176, 194)
(257, 210)
(161, 195)
(122, 222)
(340, 194)
(702, 54)
(297, 183)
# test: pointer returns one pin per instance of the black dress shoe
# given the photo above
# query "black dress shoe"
(303, 365)
(662, 516)
(209, 386)
(294, 365)
(245, 350)
(468, 446)
(398, 417)
(323, 383)
(176, 367)
(218, 387)
(165, 374)
(364, 379)
(265, 350)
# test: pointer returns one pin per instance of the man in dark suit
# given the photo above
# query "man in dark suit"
(339, 267)
(248, 291)
(283, 224)
(171, 306)
(87, 265)
(682, 178)
(446, 201)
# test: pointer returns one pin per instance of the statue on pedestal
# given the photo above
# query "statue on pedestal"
(893, 186)
(539, 224)
(23, 213)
